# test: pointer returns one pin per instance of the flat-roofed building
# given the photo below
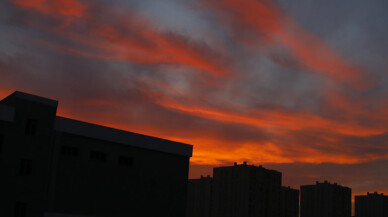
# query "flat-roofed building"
(199, 197)
(52, 164)
(245, 190)
(242, 190)
(371, 205)
(289, 202)
(325, 200)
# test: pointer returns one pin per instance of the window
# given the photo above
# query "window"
(31, 127)
(1, 142)
(20, 209)
(69, 151)
(26, 167)
(126, 161)
(98, 156)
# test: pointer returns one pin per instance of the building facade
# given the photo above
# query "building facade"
(245, 191)
(325, 200)
(199, 197)
(289, 202)
(51, 164)
(371, 205)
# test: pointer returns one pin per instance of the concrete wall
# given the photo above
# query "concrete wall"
(155, 183)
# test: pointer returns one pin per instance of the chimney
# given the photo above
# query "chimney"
(235, 163)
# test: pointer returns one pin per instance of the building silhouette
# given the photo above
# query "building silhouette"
(55, 166)
(199, 197)
(242, 190)
(289, 202)
(325, 200)
(371, 205)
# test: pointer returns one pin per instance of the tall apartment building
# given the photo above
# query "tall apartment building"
(199, 197)
(55, 166)
(242, 191)
(371, 205)
(245, 191)
(325, 200)
(289, 202)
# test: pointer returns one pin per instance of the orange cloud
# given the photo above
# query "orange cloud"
(125, 37)
(271, 120)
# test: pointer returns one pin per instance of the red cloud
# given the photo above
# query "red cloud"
(54, 8)
(123, 37)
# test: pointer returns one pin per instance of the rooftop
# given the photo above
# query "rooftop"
(30, 97)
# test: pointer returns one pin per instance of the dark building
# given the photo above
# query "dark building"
(199, 197)
(55, 166)
(289, 202)
(325, 200)
(245, 191)
(242, 190)
(371, 205)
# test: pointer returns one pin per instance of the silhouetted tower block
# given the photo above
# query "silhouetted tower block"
(199, 197)
(289, 202)
(245, 191)
(325, 200)
(371, 205)
(52, 165)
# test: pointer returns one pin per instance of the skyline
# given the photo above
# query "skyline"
(299, 88)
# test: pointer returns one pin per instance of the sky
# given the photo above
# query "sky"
(296, 86)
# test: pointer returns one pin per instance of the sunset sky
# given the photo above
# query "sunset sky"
(296, 86)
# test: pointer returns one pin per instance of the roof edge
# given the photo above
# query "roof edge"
(31, 97)
(99, 132)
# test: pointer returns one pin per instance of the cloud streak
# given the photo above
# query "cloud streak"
(125, 37)
(266, 23)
